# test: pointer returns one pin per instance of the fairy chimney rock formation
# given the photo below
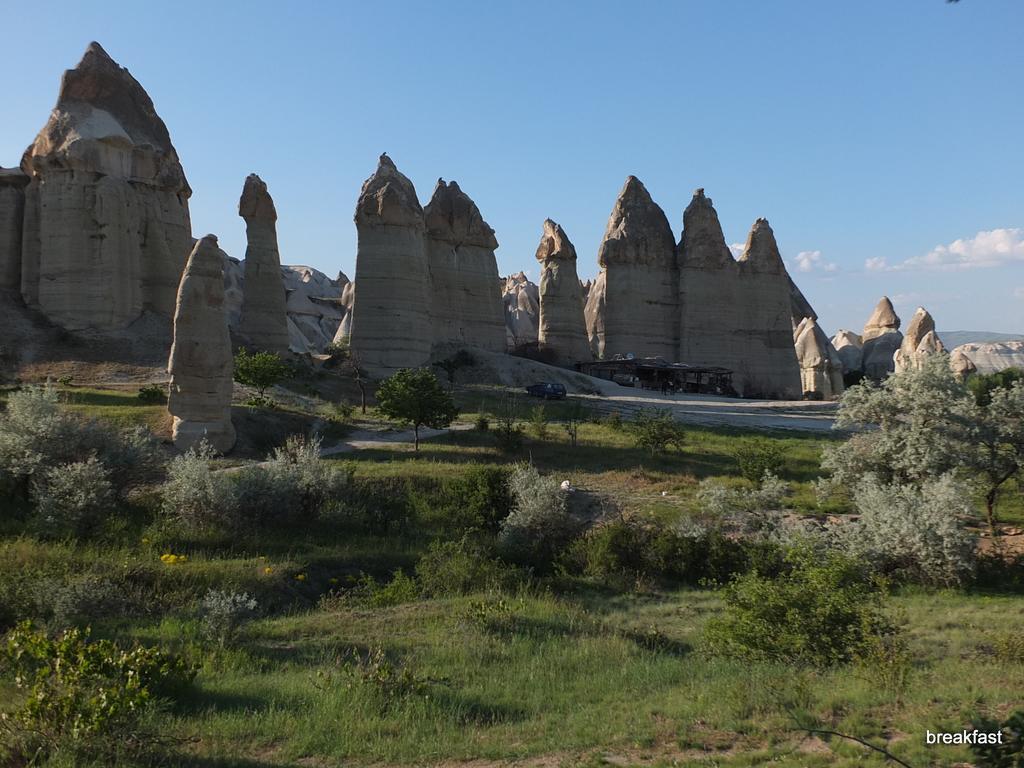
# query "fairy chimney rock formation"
(821, 371)
(467, 307)
(521, 300)
(850, 348)
(638, 263)
(563, 330)
(736, 314)
(919, 341)
(200, 364)
(106, 228)
(391, 316)
(882, 339)
(12, 212)
(264, 318)
(961, 365)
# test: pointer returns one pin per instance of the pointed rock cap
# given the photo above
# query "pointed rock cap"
(930, 344)
(845, 338)
(884, 318)
(554, 243)
(388, 197)
(961, 364)
(99, 100)
(256, 202)
(761, 251)
(207, 259)
(921, 324)
(452, 216)
(702, 243)
(811, 344)
(638, 231)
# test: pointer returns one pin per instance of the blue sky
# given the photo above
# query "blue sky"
(883, 139)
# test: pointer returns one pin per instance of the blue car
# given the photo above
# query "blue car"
(548, 390)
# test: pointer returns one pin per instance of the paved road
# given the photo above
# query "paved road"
(361, 439)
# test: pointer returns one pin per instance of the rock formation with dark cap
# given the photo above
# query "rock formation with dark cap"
(391, 316)
(466, 307)
(106, 229)
(638, 262)
(200, 365)
(562, 335)
(264, 319)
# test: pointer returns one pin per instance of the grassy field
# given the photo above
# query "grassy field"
(562, 672)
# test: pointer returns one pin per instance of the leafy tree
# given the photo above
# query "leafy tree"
(415, 396)
(760, 457)
(983, 385)
(656, 431)
(260, 370)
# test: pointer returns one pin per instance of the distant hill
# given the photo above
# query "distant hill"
(953, 339)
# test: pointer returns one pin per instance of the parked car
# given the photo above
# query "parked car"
(548, 390)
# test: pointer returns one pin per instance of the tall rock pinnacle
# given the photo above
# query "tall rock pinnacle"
(882, 339)
(264, 319)
(563, 331)
(703, 244)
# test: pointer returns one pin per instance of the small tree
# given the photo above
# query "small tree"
(260, 370)
(415, 396)
(657, 431)
(759, 457)
(575, 416)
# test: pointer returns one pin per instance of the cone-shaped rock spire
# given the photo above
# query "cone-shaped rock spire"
(563, 330)
(465, 288)
(762, 252)
(200, 365)
(638, 301)
(391, 313)
(703, 244)
(882, 339)
(919, 341)
(107, 227)
(264, 318)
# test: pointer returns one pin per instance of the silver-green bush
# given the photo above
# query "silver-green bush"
(195, 496)
(539, 524)
(72, 499)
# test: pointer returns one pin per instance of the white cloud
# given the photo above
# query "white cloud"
(876, 264)
(988, 248)
(809, 261)
(1018, 293)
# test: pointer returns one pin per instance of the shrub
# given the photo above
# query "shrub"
(260, 370)
(378, 505)
(197, 497)
(482, 423)
(914, 533)
(462, 567)
(539, 423)
(656, 431)
(539, 525)
(617, 551)
(83, 697)
(1008, 752)
(224, 613)
(401, 589)
(478, 499)
(751, 510)
(72, 499)
(760, 457)
(818, 611)
(152, 394)
(82, 601)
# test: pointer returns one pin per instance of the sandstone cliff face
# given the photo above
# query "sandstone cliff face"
(821, 371)
(919, 342)
(593, 314)
(882, 339)
(391, 317)
(850, 349)
(466, 306)
(12, 214)
(264, 321)
(638, 262)
(200, 364)
(991, 357)
(521, 299)
(736, 314)
(563, 330)
(106, 228)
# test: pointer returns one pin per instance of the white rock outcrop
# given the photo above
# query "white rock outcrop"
(200, 364)
(391, 316)
(821, 370)
(106, 229)
(521, 299)
(961, 365)
(919, 341)
(882, 339)
(991, 357)
(466, 301)
(263, 322)
(562, 336)
(850, 348)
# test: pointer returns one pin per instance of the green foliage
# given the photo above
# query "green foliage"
(85, 697)
(414, 396)
(983, 385)
(152, 394)
(401, 589)
(482, 423)
(72, 499)
(539, 525)
(656, 431)
(260, 370)
(476, 500)
(224, 613)
(817, 611)
(759, 457)
(539, 422)
(1008, 754)
(462, 567)
(391, 681)
(197, 498)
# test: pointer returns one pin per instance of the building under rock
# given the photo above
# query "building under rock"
(105, 228)
(423, 276)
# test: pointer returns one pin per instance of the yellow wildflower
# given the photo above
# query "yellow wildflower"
(268, 570)
(300, 577)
